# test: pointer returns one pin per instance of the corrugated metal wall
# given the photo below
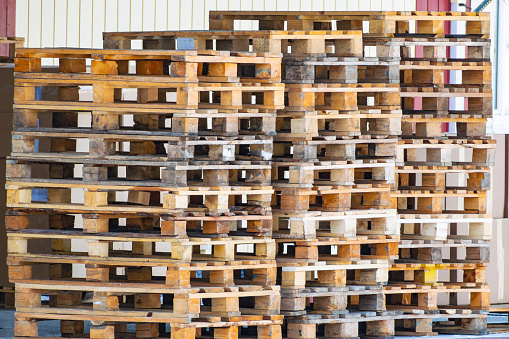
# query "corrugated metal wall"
(80, 23)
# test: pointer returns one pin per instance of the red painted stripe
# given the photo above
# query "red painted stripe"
(7, 23)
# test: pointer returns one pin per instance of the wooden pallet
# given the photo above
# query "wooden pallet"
(445, 227)
(343, 97)
(437, 252)
(433, 49)
(115, 324)
(437, 99)
(439, 152)
(99, 252)
(346, 224)
(308, 174)
(349, 325)
(309, 70)
(289, 42)
(331, 300)
(426, 202)
(337, 250)
(13, 43)
(178, 66)
(331, 198)
(176, 122)
(381, 23)
(433, 72)
(308, 124)
(340, 149)
(180, 174)
(429, 126)
(212, 200)
(412, 297)
(435, 179)
(298, 276)
(427, 274)
(143, 146)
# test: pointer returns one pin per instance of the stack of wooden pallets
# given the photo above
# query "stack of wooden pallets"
(224, 179)
(333, 164)
(169, 188)
(435, 236)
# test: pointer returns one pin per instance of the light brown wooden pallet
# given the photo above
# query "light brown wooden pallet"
(428, 72)
(181, 66)
(310, 97)
(348, 224)
(337, 250)
(437, 99)
(439, 152)
(157, 92)
(309, 70)
(427, 273)
(13, 44)
(411, 297)
(381, 23)
(442, 227)
(182, 225)
(331, 300)
(332, 198)
(340, 149)
(426, 202)
(306, 124)
(95, 197)
(99, 252)
(429, 126)
(174, 121)
(307, 174)
(277, 40)
(150, 144)
(298, 276)
(350, 325)
(434, 49)
(262, 327)
(172, 174)
(435, 179)
(437, 252)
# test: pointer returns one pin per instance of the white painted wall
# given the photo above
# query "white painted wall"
(80, 23)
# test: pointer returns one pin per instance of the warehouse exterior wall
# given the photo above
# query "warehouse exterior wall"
(80, 23)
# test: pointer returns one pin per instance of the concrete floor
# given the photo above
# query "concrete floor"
(52, 328)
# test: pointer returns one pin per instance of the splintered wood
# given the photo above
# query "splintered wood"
(271, 183)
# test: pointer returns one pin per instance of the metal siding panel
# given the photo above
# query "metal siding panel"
(282, 5)
(111, 16)
(271, 5)
(353, 5)
(317, 5)
(375, 5)
(149, 15)
(293, 5)
(186, 12)
(161, 15)
(329, 5)
(47, 23)
(86, 18)
(410, 5)
(60, 23)
(306, 5)
(34, 28)
(210, 5)
(98, 23)
(22, 19)
(198, 14)
(136, 15)
(173, 14)
(124, 16)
